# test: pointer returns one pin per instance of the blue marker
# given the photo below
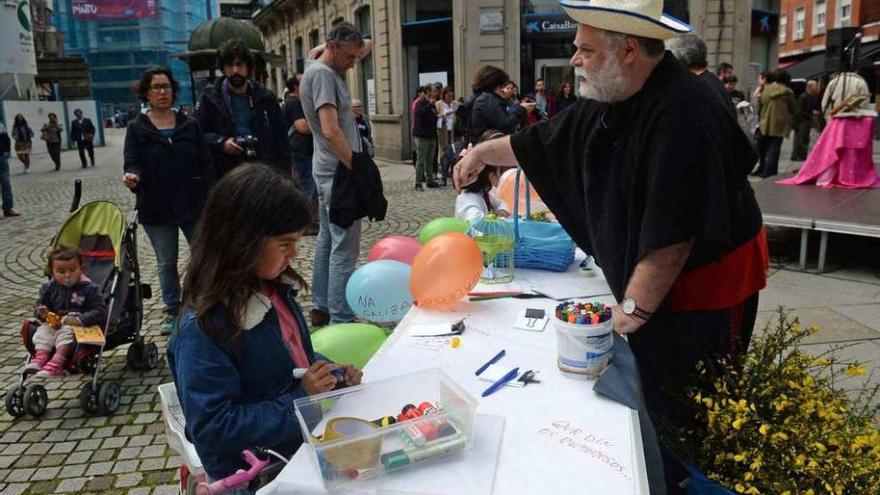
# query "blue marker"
(490, 363)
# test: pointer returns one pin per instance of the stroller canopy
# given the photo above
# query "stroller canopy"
(98, 218)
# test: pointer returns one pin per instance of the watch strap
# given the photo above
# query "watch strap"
(641, 313)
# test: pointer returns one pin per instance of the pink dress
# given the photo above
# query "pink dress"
(842, 157)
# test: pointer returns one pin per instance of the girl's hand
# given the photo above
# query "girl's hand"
(352, 374)
(318, 378)
(71, 320)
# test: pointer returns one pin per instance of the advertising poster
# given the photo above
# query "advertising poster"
(90, 10)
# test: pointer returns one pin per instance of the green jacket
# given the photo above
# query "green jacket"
(778, 110)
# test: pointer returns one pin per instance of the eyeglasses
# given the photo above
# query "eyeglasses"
(160, 88)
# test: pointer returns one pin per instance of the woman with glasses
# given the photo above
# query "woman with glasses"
(167, 165)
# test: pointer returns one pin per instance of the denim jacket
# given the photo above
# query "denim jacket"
(236, 399)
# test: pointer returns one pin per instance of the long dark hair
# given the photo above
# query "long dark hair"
(19, 120)
(247, 205)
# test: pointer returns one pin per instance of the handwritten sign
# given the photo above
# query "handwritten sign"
(591, 445)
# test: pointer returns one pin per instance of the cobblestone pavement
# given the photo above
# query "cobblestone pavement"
(67, 451)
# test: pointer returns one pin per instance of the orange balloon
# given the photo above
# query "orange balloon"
(445, 270)
(506, 189)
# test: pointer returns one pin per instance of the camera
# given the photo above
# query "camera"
(248, 144)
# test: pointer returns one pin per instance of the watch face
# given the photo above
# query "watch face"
(629, 305)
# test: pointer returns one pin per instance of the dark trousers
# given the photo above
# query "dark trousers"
(667, 349)
(55, 153)
(801, 145)
(84, 146)
(768, 155)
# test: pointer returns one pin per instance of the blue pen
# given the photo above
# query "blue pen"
(490, 363)
(506, 378)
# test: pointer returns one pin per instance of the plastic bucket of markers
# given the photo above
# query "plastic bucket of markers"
(584, 349)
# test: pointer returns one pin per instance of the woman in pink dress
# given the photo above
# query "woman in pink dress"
(843, 155)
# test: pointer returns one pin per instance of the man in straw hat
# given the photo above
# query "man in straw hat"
(647, 172)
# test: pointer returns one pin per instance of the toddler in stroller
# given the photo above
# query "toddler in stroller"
(106, 243)
(68, 298)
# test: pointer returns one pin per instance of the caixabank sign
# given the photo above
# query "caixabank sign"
(534, 25)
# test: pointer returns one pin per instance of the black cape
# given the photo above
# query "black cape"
(625, 179)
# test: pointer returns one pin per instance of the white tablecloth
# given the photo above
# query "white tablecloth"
(559, 435)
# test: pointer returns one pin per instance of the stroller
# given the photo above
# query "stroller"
(108, 243)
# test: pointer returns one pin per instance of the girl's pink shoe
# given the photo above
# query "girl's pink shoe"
(53, 369)
(38, 361)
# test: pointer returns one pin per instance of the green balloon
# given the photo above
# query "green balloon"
(349, 343)
(441, 226)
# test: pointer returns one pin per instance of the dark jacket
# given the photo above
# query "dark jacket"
(357, 193)
(425, 122)
(83, 298)
(560, 103)
(718, 87)
(214, 115)
(22, 133)
(490, 112)
(239, 398)
(807, 108)
(175, 173)
(77, 130)
(5, 143)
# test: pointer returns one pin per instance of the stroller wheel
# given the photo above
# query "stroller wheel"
(151, 356)
(35, 400)
(109, 397)
(133, 356)
(15, 401)
(141, 356)
(88, 399)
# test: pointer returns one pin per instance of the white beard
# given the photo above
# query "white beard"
(606, 84)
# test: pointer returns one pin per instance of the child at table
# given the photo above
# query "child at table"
(70, 295)
(241, 333)
(478, 199)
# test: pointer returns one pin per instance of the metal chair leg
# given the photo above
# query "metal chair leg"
(805, 234)
(823, 251)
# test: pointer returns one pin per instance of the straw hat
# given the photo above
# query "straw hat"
(643, 18)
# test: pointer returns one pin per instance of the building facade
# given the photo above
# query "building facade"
(119, 40)
(447, 41)
(808, 26)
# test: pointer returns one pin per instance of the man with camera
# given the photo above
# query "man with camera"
(241, 118)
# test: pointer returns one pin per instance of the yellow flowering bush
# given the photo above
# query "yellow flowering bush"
(777, 421)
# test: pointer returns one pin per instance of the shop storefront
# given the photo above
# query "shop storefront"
(546, 46)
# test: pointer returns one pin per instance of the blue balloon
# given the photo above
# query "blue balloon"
(379, 291)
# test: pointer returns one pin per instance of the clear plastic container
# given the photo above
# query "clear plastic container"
(350, 437)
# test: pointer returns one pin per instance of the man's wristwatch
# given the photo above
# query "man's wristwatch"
(630, 308)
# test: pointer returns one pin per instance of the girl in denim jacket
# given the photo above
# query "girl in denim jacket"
(241, 333)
